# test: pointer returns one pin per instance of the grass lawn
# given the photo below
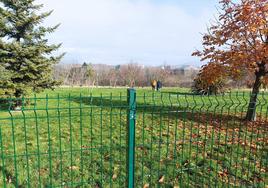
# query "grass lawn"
(76, 137)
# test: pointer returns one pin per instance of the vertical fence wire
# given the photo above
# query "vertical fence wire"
(60, 138)
(2, 159)
(14, 142)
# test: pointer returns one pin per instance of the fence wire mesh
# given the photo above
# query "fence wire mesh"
(182, 140)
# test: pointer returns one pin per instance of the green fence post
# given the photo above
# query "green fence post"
(131, 116)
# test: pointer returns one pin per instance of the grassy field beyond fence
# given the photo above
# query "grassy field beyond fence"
(77, 138)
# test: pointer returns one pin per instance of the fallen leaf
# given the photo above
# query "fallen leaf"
(161, 179)
(73, 168)
(146, 185)
(114, 176)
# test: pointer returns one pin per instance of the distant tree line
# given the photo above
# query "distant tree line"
(131, 75)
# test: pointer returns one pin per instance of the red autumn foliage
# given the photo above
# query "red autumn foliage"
(238, 42)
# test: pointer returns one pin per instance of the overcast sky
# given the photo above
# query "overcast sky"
(150, 32)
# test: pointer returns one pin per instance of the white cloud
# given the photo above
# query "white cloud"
(116, 31)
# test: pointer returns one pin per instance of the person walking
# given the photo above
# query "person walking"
(158, 85)
(154, 85)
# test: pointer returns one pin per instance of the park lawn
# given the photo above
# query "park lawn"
(77, 137)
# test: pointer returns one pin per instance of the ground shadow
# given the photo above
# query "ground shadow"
(181, 113)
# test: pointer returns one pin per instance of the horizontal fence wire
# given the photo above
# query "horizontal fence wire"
(182, 140)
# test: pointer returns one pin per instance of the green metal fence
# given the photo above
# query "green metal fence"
(133, 140)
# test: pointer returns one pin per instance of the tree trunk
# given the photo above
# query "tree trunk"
(251, 113)
(115, 83)
(17, 103)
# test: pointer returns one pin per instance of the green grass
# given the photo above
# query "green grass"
(77, 138)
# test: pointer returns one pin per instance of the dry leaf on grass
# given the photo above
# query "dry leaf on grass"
(161, 179)
(146, 185)
(73, 167)
(114, 176)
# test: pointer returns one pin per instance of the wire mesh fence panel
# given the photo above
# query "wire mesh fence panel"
(64, 142)
(187, 140)
(182, 140)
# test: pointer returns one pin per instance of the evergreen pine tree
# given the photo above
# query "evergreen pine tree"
(25, 54)
(6, 85)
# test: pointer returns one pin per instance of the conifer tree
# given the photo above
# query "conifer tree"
(6, 86)
(25, 53)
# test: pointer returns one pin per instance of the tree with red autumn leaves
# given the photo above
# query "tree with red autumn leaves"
(208, 84)
(238, 41)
